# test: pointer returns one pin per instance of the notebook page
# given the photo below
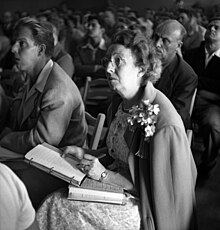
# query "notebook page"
(53, 160)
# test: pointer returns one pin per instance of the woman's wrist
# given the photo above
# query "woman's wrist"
(104, 175)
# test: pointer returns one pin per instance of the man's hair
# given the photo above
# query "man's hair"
(98, 18)
(188, 11)
(214, 18)
(42, 32)
(175, 25)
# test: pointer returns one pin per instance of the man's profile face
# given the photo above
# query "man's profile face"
(184, 19)
(213, 31)
(166, 38)
(94, 28)
(25, 51)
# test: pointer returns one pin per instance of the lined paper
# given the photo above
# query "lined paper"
(52, 159)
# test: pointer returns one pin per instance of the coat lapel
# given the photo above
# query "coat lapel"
(33, 97)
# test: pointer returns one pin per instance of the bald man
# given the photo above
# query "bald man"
(178, 80)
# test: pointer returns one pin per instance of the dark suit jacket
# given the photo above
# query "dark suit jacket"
(208, 77)
(52, 113)
(178, 82)
(166, 178)
(4, 105)
(61, 57)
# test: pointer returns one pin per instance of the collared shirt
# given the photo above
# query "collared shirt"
(41, 80)
(102, 45)
(209, 57)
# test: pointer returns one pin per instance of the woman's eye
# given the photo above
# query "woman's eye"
(118, 61)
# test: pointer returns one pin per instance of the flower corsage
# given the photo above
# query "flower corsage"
(144, 116)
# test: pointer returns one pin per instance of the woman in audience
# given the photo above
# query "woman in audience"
(152, 157)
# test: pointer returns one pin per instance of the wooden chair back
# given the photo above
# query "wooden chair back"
(95, 91)
(189, 132)
(95, 127)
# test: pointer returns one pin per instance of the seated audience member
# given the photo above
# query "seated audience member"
(4, 105)
(88, 55)
(16, 210)
(4, 48)
(158, 170)
(7, 23)
(60, 56)
(50, 108)
(195, 32)
(205, 60)
(178, 80)
(110, 19)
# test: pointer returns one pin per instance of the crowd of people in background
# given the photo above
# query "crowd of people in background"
(187, 43)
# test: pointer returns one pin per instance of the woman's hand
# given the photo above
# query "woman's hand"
(91, 166)
(74, 151)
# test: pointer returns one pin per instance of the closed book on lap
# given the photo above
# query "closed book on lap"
(48, 158)
(96, 191)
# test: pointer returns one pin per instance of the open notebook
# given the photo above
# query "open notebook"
(48, 158)
(96, 191)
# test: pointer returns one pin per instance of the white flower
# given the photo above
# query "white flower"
(144, 116)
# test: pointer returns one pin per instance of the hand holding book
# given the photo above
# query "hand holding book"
(89, 164)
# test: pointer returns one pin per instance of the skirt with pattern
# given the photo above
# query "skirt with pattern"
(57, 212)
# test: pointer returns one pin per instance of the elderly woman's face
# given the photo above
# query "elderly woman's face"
(25, 51)
(123, 74)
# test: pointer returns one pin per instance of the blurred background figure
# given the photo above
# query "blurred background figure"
(16, 210)
(60, 56)
(195, 32)
(109, 17)
(88, 55)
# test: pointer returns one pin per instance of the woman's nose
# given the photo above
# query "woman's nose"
(110, 67)
(14, 48)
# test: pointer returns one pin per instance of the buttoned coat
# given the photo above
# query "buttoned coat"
(52, 113)
(165, 178)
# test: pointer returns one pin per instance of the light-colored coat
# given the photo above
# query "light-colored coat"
(53, 113)
(166, 177)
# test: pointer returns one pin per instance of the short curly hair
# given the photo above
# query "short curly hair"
(42, 32)
(144, 51)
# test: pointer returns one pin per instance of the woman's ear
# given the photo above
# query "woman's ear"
(103, 30)
(142, 71)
